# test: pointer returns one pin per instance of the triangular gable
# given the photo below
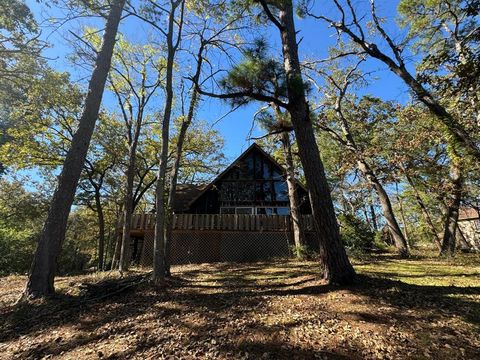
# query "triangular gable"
(236, 161)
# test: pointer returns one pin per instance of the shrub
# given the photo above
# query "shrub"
(355, 233)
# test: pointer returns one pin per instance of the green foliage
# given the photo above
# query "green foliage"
(21, 215)
(258, 73)
(355, 233)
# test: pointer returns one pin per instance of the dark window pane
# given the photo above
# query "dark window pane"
(244, 211)
(276, 175)
(246, 191)
(261, 211)
(259, 193)
(267, 191)
(283, 211)
(246, 168)
(281, 191)
(228, 191)
(227, 210)
(258, 168)
(267, 170)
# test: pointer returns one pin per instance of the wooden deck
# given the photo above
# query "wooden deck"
(146, 222)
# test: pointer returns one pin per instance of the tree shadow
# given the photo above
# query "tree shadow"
(215, 295)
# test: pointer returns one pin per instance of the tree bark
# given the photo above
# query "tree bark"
(176, 166)
(406, 235)
(159, 259)
(334, 261)
(118, 238)
(398, 238)
(298, 233)
(101, 231)
(366, 170)
(123, 263)
(373, 217)
(41, 278)
(451, 219)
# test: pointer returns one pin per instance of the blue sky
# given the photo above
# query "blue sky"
(234, 127)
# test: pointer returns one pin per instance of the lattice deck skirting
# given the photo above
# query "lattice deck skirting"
(189, 247)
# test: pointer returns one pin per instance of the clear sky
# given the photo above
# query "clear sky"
(234, 127)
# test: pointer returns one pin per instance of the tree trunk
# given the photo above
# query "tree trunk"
(41, 279)
(118, 239)
(172, 193)
(159, 260)
(451, 219)
(373, 216)
(425, 213)
(101, 231)
(402, 216)
(124, 262)
(385, 203)
(176, 166)
(298, 233)
(334, 261)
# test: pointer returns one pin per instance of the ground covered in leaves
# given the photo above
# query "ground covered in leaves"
(400, 309)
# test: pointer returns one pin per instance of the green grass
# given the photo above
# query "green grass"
(424, 269)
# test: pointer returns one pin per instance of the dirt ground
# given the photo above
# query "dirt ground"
(419, 308)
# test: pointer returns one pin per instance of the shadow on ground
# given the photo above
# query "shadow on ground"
(223, 311)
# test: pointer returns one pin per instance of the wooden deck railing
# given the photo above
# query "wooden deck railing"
(224, 222)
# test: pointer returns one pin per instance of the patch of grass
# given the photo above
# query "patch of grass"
(463, 270)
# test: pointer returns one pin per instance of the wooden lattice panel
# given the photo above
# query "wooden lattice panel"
(217, 246)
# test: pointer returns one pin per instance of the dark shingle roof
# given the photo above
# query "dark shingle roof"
(185, 194)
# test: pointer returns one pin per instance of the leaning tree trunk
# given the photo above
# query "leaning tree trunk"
(101, 231)
(41, 279)
(404, 220)
(451, 219)
(334, 261)
(298, 233)
(373, 216)
(385, 203)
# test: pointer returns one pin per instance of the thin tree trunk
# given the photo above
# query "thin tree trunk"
(451, 219)
(334, 261)
(172, 193)
(402, 215)
(398, 238)
(123, 263)
(101, 231)
(425, 213)
(176, 166)
(118, 241)
(41, 279)
(373, 216)
(298, 233)
(159, 263)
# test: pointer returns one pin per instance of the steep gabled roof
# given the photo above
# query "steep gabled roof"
(468, 213)
(237, 160)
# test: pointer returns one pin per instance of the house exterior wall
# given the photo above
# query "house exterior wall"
(470, 229)
(253, 181)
